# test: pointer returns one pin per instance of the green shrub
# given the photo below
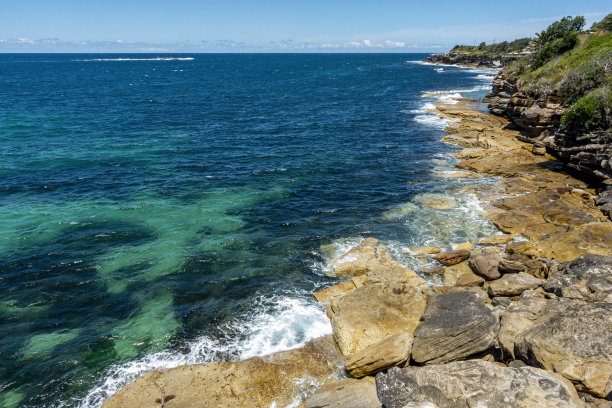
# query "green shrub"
(605, 24)
(554, 48)
(589, 75)
(590, 112)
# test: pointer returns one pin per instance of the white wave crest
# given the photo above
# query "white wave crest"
(285, 324)
(142, 59)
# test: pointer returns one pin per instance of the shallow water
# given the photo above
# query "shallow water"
(161, 212)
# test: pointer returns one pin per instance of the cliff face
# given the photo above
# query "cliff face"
(586, 153)
(472, 60)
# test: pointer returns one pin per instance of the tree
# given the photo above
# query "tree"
(605, 24)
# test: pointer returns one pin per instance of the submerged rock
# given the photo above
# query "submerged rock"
(369, 256)
(455, 325)
(278, 379)
(474, 383)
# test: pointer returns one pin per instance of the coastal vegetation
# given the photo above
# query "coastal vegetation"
(503, 47)
(574, 64)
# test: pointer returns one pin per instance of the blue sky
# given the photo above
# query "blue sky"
(274, 25)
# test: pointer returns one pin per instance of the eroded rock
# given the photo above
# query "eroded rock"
(257, 382)
(347, 393)
(374, 312)
(474, 383)
(485, 266)
(587, 278)
(513, 284)
(455, 325)
(391, 351)
(573, 338)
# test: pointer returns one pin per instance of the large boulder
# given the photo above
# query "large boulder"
(374, 312)
(347, 393)
(474, 383)
(485, 266)
(279, 379)
(514, 284)
(573, 338)
(392, 351)
(587, 278)
(455, 325)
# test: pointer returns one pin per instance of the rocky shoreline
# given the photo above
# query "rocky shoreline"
(520, 319)
(472, 60)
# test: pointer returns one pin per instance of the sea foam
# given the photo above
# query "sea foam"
(282, 323)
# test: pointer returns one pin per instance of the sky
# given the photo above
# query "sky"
(275, 25)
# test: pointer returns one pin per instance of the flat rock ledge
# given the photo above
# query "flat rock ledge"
(279, 379)
(474, 383)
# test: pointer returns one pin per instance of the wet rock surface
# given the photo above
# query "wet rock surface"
(256, 382)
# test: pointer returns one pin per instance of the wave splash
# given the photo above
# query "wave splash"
(286, 323)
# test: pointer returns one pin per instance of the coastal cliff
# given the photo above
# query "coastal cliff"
(564, 105)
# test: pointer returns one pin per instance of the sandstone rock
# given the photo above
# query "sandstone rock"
(277, 379)
(425, 250)
(539, 149)
(469, 280)
(573, 338)
(348, 393)
(517, 263)
(449, 258)
(474, 383)
(436, 201)
(368, 256)
(587, 278)
(452, 273)
(335, 291)
(455, 325)
(375, 312)
(389, 352)
(513, 284)
(463, 246)
(496, 240)
(485, 266)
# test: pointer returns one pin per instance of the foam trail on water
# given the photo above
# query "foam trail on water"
(285, 323)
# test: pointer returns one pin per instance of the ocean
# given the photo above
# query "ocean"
(159, 210)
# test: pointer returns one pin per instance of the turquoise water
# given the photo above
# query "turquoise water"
(157, 212)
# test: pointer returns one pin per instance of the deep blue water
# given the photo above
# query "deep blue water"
(157, 212)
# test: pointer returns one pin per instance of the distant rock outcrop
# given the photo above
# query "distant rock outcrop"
(472, 60)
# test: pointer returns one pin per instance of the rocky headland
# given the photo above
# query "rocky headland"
(522, 318)
(472, 60)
